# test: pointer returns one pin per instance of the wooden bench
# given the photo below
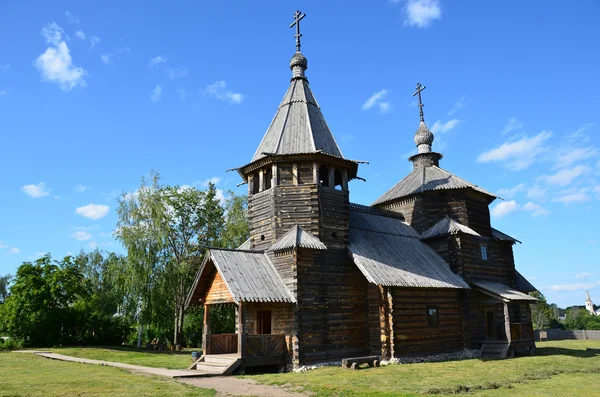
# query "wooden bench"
(354, 363)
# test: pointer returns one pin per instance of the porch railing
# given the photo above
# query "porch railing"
(264, 345)
(521, 331)
(222, 343)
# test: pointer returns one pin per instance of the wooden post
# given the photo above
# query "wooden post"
(331, 178)
(316, 173)
(250, 184)
(274, 176)
(261, 180)
(241, 336)
(384, 324)
(345, 180)
(206, 332)
(295, 174)
(507, 323)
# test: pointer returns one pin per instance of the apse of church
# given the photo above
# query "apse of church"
(419, 272)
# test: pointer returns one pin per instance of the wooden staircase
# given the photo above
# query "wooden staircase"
(494, 350)
(217, 364)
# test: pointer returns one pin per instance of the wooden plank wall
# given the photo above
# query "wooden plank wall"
(260, 219)
(499, 267)
(412, 335)
(218, 292)
(282, 321)
(285, 264)
(334, 210)
(332, 306)
(374, 301)
(479, 303)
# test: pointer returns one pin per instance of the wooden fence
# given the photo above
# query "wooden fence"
(222, 343)
(264, 346)
(563, 334)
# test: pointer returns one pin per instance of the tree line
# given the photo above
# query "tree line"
(105, 298)
(544, 315)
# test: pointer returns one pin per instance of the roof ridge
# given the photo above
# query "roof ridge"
(376, 211)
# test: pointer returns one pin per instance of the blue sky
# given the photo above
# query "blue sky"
(94, 95)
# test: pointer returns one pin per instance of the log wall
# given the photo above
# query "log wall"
(412, 334)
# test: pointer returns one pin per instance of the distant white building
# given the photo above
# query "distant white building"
(589, 305)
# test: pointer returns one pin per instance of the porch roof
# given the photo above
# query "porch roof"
(503, 292)
(249, 276)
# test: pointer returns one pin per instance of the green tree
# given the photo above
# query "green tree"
(541, 312)
(4, 281)
(236, 230)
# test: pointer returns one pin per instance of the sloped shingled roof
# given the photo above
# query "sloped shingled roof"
(249, 276)
(498, 235)
(298, 126)
(503, 292)
(447, 226)
(388, 252)
(423, 179)
(524, 285)
(295, 238)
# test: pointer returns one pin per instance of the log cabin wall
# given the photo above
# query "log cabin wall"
(333, 319)
(499, 267)
(285, 263)
(282, 321)
(261, 219)
(374, 324)
(480, 303)
(334, 211)
(412, 333)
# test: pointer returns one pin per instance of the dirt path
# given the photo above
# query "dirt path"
(224, 385)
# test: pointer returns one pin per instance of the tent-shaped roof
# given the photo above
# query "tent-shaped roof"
(423, 179)
(447, 226)
(388, 252)
(295, 238)
(249, 276)
(298, 126)
(503, 292)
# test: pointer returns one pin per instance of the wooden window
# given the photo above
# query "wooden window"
(263, 322)
(323, 176)
(483, 249)
(432, 316)
(337, 179)
(255, 183)
(268, 178)
(286, 175)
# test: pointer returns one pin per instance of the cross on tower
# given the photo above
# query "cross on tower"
(418, 92)
(298, 16)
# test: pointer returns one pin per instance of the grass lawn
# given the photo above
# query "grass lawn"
(156, 359)
(24, 374)
(561, 368)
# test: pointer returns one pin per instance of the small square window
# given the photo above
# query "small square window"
(432, 316)
(483, 248)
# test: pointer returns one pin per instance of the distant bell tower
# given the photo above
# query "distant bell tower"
(298, 175)
(589, 305)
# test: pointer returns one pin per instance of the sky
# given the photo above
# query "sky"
(94, 95)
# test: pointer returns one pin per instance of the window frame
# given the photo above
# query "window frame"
(435, 315)
(483, 252)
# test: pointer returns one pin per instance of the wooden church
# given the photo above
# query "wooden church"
(419, 272)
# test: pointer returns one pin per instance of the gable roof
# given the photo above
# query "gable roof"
(423, 179)
(498, 235)
(297, 237)
(447, 226)
(246, 245)
(249, 275)
(503, 292)
(388, 252)
(298, 126)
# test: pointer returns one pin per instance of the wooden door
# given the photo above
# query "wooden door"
(490, 324)
(264, 322)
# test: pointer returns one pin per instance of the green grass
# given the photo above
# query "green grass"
(559, 369)
(24, 374)
(156, 359)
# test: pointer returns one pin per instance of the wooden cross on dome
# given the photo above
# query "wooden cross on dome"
(298, 16)
(418, 92)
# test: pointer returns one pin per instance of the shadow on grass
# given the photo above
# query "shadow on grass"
(561, 351)
(186, 352)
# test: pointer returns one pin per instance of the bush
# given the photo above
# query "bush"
(10, 344)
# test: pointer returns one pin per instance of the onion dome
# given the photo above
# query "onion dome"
(298, 64)
(423, 138)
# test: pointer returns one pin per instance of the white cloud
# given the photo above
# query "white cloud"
(36, 191)
(513, 125)
(583, 276)
(176, 73)
(82, 188)
(504, 208)
(565, 176)
(537, 193)
(421, 13)
(105, 58)
(181, 93)
(440, 127)
(219, 90)
(80, 34)
(214, 180)
(37, 255)
(56, 64)
(377, 99)
(93, 211)
(92, 245)
(72, 17)
(81, 235)
(93, 41)
(156, 92)
(512, 192)
(156, 61)
(578, 196)
(3, 245)
(517, 155)
(13, 250)
(458, 105)
(535, 209)
(575, 155)
(572, 287)
(597, 190)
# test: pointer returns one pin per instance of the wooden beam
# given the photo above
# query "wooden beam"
(241, 330)
(345, 180)
(316, 173)
(507, 323)
(295, 174)
(274, 176)
(331, 177)
(206, 331)
(261, 180)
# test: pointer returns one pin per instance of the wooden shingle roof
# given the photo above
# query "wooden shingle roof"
(447, 226)
(297, 238)
(503, 292)
(298, 126)
(498, 235)
(389, 252)
(423, 179)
